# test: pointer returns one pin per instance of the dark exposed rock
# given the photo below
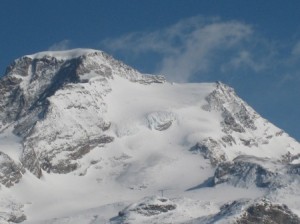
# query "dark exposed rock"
(155, 79)
(69, 163)
(244, 173)
(294, 169)
(30, 161)
(248, 212)
(267, 213)
(149, 210)
(17, 219)
(230, 123)
(86, 67)
(17, 101)
(160, 120)
(237, 116)
(11, 211)
(10, 172)
(249, 142)
(63, 166)
(81, 150)
(229, 140)
(149, 207)
(289, 157)
(162, 127)
(210, 149)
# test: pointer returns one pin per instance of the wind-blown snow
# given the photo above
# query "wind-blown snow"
(63, 55)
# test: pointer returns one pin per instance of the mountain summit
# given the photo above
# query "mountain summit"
(85, 138)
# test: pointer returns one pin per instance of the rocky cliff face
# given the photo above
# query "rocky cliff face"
(249, 212)
(10, 171)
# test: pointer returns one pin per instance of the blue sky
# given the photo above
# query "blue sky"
(254, 46)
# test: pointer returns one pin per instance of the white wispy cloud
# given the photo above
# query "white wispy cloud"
(244, 60)
(194, 46)
(296, 49)
(60, 46)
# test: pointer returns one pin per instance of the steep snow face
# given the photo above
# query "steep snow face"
(97, 135)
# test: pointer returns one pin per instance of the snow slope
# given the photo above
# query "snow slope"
(96, 137)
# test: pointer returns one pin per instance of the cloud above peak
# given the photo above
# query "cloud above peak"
(194, 46)
(201, 48)
(60, 46)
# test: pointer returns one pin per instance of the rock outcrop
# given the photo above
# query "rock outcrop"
(10, 171)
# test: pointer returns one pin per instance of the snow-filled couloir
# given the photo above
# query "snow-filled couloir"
(87, 139)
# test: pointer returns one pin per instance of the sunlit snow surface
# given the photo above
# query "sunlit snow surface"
(154, 127)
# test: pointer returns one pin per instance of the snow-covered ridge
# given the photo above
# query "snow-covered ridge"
(64, 55)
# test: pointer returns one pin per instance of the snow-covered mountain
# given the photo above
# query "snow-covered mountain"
(85, 138)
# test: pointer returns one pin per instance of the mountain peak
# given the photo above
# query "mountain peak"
(89, 126)
(79, 62)
(30, 80)
(65, 55)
